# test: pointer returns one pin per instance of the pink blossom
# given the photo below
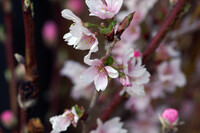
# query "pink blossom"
(50, 32)
(139, 104)
(171, 75)
(73, 70)
(98, 73)
(133, 69)
(171, 115)
(8, 119)
(79, 36)
(104, 8)
(75, 5)
(63, 121)
(111, 126)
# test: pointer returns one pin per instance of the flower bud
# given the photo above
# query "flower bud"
(49, 33)
(170, 114)
(8, 119)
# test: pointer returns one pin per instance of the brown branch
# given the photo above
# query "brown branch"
(8, 22)
(168, 23)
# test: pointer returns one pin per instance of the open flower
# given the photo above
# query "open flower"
(63, 121)
(111, 126)
(79, 36)
(170, 74)
(104, 8)
(73, 70)
(136, 73)
(99, 73)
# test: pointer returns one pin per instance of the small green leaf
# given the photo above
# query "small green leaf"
(109, 60)
(79, 111)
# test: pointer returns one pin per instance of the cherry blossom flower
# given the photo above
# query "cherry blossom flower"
(98, 73)
(104, 8)
(73, 70)
(171, 75)
(63, 121)
(8, 119)
(111, 126)
(135, 72)
(79, 36)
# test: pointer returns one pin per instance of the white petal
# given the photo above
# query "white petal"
(89, 74)
(136, 90)
(101, 81)
(111, 72)
(68, 14)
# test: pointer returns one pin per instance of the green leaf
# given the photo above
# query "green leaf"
(79, 111)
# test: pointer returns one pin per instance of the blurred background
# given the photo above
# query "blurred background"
(51, 53)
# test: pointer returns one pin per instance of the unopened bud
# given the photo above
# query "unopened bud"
(8, 119)
(124, 24)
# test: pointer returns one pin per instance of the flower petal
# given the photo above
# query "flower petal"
(89, 74)
(111, 72)
(101, 81)
(68, 14)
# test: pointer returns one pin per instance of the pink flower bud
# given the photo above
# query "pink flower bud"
(137, 54)
(49, 32)
(170, 114)
(8, 119)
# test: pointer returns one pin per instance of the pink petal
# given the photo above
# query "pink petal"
(111, 72)
(101, 81)
(89, 74)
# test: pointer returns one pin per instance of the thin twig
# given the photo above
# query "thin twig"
(168, 23)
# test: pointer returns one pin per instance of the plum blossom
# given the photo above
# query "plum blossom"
(170, 74)
(79, 36)
(73, 70)
(104, 8)
(63, 121)
(134, 71)
(111, 126)
(98, 73)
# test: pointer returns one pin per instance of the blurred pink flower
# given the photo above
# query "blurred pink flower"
(99, 74)
(73, 70)
(111, 126)
(79, 36)
(63, 121)
(76, 6)
(8, 119)
(104, 8)
(170, 74)
(50, 32)
(171, 115)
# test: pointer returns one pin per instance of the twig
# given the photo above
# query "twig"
(7, 10)
(31, 66)
(168, 23)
